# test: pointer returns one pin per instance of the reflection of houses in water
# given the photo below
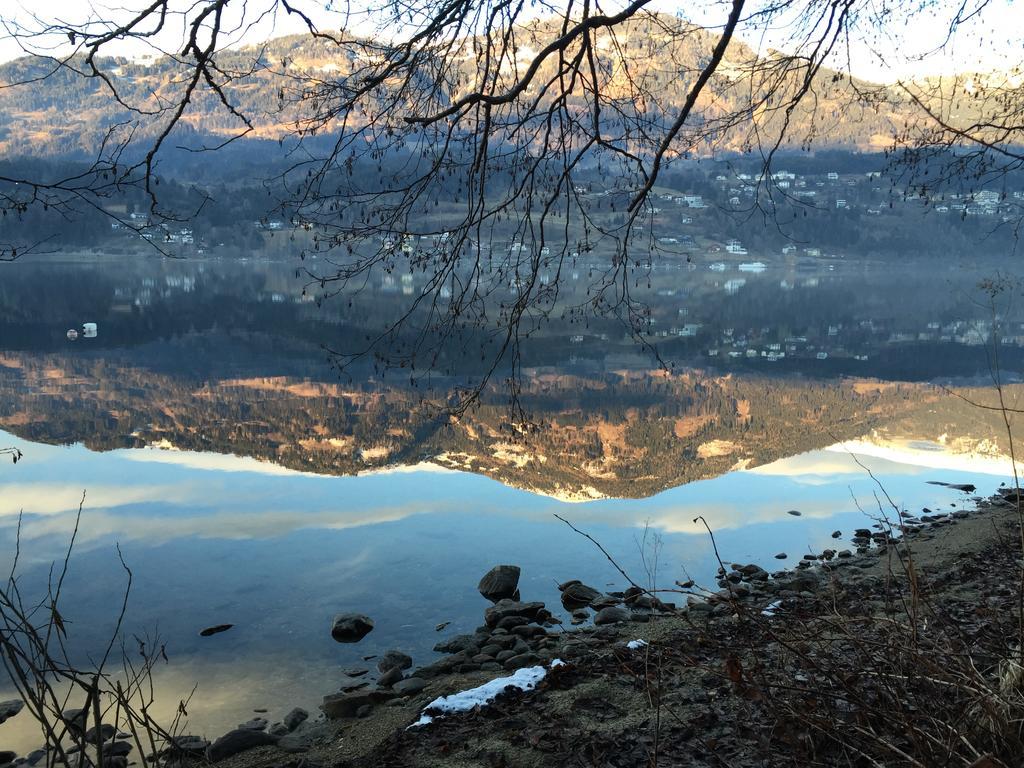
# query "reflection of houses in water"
(732, 286)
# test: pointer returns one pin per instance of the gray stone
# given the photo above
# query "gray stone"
(75, 719)
(754, 572)
(579, 595)
(499, 583)
(390, 677)
(529, 630)
(351, 627)
(393, 659)
(278, 729)
(409, 686)
(505, 608)
(522, 660)
(104, 733)
(511, 622)
(238, 740)
(604, 602)
(187, 745)
(295, 718)
(353, 685)
(458, 643)
(9, 709)
(256, 724)
(346, 704)
(613, 614)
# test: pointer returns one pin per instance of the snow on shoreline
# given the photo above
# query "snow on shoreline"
(525, 679)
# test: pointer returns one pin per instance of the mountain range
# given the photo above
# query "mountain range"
(646, 70)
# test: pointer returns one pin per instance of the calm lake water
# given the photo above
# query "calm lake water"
(295, 511)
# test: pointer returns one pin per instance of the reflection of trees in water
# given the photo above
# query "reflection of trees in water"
(622, 434)
(217, 319)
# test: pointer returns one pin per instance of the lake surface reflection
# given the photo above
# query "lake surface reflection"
(216, 539)
(247, 485)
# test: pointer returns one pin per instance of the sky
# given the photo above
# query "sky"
(990, 41)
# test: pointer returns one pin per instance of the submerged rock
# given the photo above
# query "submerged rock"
(210, 631)
(499, 583)
(351, 627)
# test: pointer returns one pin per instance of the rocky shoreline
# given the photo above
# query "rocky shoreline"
(708, 679)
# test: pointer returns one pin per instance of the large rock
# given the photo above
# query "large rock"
(186, 745)
(347, 704)
(505, 608)
(238, 740)
(390, 677)
(351, 627)
(104, 733)
(409, 686)
(459, 643)
(392, 660)
(9, 709)
(613, 614)
(499, 583)
(295, 718)
(578, 595)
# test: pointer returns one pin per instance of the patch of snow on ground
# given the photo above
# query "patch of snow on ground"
(525, 679)
(770, 610)
(635, 645)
